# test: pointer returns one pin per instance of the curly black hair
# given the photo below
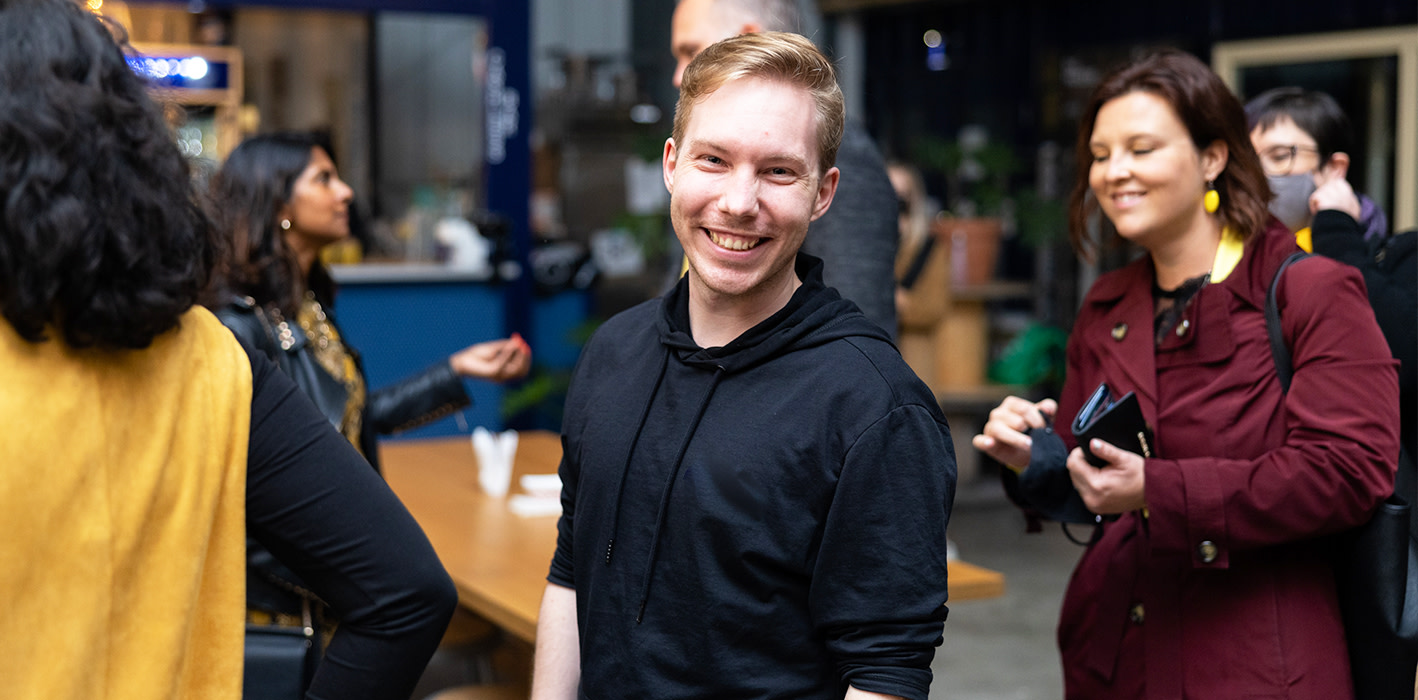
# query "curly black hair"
(247, 195)
(102, 237)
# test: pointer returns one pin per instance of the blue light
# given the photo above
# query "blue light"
(181, 72)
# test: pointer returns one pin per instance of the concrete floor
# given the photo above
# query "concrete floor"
(1003, 648)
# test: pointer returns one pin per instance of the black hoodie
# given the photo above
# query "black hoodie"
(760, 520)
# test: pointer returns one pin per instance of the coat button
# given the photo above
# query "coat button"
(1120, 331)
(1137, 614)
(1207, 551)
(1183, 327)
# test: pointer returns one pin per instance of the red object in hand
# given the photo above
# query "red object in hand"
(523, 343)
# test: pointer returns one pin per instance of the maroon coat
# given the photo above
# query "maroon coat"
(1222, 590)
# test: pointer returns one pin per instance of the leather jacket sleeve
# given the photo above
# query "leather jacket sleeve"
(422, 398)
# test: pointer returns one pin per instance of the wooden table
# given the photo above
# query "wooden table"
(499, 560)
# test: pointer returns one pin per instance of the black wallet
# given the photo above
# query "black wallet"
(1114, 421)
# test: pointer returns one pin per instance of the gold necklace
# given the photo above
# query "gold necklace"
(332, 355)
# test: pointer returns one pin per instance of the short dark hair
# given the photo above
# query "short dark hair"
(1316, 113)
(1209, 112)
(101, 233)
(247, 195)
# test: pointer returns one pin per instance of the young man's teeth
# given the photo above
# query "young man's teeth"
(733, 243)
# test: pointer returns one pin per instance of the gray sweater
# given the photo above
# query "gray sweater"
(857, 237)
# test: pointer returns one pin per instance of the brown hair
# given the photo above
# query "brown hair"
(780, 56)
(1209, 112)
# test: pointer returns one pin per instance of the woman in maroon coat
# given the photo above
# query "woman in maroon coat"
(1210, 582)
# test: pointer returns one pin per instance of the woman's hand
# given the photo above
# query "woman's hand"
(1004, 434)
(494, 360)
(1116, 487)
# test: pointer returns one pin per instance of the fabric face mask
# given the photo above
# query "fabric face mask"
(1292, 199)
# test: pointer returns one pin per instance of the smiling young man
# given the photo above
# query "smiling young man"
(756, 487)
(857, 239)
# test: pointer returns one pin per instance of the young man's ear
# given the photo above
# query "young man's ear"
(668, 159)
(826, 190)
(1337, 167)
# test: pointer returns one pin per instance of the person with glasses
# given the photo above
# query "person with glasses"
(1304, 138)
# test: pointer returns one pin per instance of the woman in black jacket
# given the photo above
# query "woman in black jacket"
(281, 201)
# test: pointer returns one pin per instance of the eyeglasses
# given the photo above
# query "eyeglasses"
(1280, 160)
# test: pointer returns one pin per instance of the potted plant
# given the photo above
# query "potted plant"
(975, 174)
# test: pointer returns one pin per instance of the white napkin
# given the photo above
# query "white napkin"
(495, 452)
(534, 506)
(545, 485)
(542, 497)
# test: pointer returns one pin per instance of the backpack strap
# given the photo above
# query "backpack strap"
(1284, 368)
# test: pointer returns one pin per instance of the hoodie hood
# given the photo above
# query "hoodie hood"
(815, 314)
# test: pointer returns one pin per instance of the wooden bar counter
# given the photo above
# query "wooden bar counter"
(498, 559)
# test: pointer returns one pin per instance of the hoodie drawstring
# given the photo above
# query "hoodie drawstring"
(620, 488)
(665, 495)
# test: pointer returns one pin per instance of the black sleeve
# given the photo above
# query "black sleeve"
(1045, 484)
(424, 397)
(313, 501)
(1389, 276)
(1390, 270)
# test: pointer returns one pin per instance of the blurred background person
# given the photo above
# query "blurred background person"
(922, 275)
(855, 239)
(1209, 582)
(143, 443)
(1304, 138)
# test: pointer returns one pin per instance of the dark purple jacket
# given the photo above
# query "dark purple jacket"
(1223, 590)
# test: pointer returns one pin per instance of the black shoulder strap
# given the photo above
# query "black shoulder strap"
(918, 263)
(1281, 352)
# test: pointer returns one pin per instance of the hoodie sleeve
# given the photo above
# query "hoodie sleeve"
(563, 567)
(879, 585)
(563, 561)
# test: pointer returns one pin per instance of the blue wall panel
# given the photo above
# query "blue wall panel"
(402, 328)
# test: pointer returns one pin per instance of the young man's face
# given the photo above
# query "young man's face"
(744, 184)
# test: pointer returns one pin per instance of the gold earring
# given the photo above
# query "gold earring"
(285, 224)
(1212, 200)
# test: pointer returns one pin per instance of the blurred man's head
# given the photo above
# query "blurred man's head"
(699, 23)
